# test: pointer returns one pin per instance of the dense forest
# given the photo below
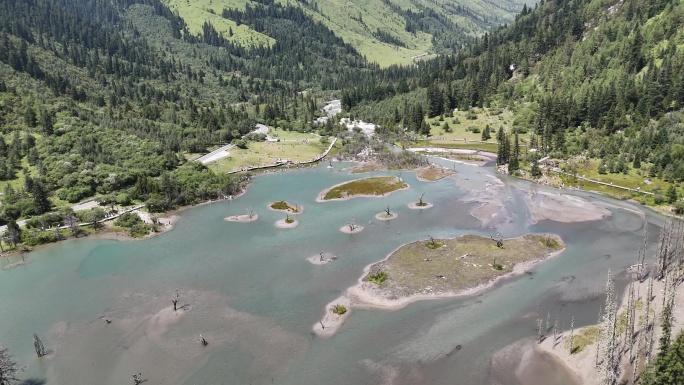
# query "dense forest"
(593, 78)
(101, 98)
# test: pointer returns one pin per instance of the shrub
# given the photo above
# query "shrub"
(280, 205)
(123, 199)
(678, 208)
(289, 220)
(659, 199)
(339, 309)
(128, 220)
(497, 266)
(139, 230)
(435, 245)
(378, 278)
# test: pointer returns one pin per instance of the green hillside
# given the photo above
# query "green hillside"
(591, 82)
(384, 31)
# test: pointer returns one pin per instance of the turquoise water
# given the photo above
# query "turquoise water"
(248, 288)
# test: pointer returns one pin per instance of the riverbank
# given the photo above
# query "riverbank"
(583, 362)
(440, 268)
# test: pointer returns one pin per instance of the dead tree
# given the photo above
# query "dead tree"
(572, 333)
(137, 378)
(352, 224)
(498, 240)
(387, 210)
(321, 258)
(648, 328)
(175, 301)
(38, 345)
(202, 340)
(610, 362)
(540, 335)
(432, 241)
(250, 213)
(420, 201)
(555, 332)
(8, 367)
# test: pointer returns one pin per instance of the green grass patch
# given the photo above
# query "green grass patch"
(587, 336)
(367, 186)
(434, 245)
(268, 153)
(339, 309)
(488, 147)
(284, 206)
(378, 278)
(471, 123)
(197, 12)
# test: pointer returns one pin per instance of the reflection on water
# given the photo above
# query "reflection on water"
(250, 291)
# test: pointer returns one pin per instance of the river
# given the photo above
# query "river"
(248, 288)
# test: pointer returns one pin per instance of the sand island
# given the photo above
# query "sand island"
(433, 173)
(440, 268)
(367, 187)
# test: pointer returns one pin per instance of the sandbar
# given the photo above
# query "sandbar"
(562, 208)
(325, 259)
(347, 230)
(281, 224)
(384, 217)
(415, 206)
(244, 218)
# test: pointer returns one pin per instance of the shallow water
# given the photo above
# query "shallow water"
(249, 290)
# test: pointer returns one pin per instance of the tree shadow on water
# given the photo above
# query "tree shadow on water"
(33, 381)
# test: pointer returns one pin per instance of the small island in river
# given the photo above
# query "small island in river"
(286, 207)
(367, 187)
(440, 268)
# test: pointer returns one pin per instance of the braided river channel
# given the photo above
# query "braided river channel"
(250, 291)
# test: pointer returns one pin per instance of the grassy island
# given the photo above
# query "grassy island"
(442, 266)
(433, 173)
(368, 186)
(287, 207)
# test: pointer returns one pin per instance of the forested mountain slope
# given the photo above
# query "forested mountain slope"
(600, 78)
(98, 97)
(385, 31)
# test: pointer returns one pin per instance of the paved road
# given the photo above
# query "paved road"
(219, 153)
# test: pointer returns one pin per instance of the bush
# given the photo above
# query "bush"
(497, 266)
(435, 245)
(339, 309)
(139, 230)
(280, 205)
(378, 278)
(240, 143)
(289, 220)
(123, 199)
(659, 199)
(128, 220)
(678, 208)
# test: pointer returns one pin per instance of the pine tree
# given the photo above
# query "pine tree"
(514, 164)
